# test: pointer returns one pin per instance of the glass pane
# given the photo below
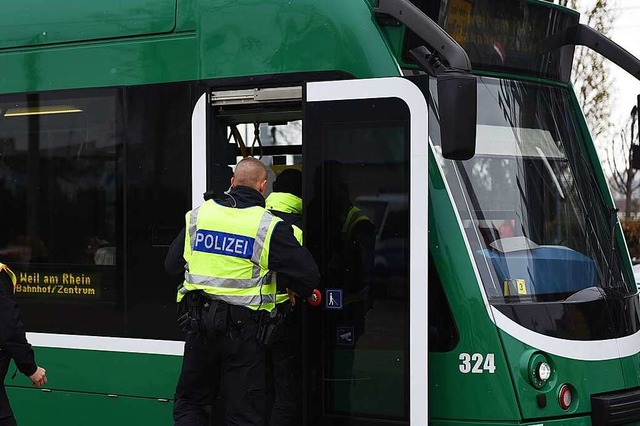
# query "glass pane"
(59, 156)
(536, 220)
(357, 222)
(504, 35)
(63, 171)
(276, 144)
(158, 196)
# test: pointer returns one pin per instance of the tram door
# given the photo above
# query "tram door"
(359, 165)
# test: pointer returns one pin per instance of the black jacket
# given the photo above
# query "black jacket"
(13, 341)
(289, 219)
(286, 256)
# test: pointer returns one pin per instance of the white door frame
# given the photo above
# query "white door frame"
(412, 96)
(199, 151)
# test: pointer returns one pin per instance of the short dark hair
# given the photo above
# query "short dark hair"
(289, 181)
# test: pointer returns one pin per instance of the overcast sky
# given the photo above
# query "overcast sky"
(626, 33)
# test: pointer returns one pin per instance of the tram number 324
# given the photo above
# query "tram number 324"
(477, 363)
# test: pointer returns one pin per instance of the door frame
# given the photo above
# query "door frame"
(199, 150)
(412, 96)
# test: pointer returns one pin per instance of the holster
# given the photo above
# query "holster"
(215, 318)
(190, 312)
(268, 323)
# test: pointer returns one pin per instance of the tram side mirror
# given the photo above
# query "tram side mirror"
(457, 105)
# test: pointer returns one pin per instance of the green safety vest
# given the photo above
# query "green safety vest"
(285, 203)
(354, 216)
(227, 255)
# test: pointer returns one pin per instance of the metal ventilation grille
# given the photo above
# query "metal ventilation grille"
(256, 96)
(619, 408)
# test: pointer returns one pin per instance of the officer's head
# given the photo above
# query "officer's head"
(252, 173)
(289, 181)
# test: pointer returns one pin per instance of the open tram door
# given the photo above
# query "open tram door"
(365, 150)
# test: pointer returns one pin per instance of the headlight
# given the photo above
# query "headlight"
(543, 371)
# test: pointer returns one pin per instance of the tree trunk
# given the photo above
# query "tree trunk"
(630, 174)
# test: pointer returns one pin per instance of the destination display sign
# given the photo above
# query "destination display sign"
(59, 284)
(504, 35)
(509, 35)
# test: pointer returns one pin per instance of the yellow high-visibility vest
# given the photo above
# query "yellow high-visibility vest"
(286, 203)
(354, 216)
(9, 272)
(227, 255)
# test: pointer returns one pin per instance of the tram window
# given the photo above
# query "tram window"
(68, 167)
(276, 144)
(60, 198)
(443, 333)
(158, 174)
(356, 179)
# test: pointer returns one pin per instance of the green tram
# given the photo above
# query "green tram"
(495, 289)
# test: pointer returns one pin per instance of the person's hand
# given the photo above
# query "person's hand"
(292, 297)
(39, 378)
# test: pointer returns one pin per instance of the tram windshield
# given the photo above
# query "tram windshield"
(530, 205)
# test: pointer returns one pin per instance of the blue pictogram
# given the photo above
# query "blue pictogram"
(345, 336)
(333, 298)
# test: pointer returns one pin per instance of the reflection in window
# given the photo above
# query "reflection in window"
(357, 212)
(65, 178)
(59, 157)
(58, 179)
(530, 204)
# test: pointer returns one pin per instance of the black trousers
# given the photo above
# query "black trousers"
(237, 361)
(244, 371)
(197, 388)
(286, 365)
(6, 414)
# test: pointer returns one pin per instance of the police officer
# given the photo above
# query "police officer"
(197, 390)
(286, 202)
(13, 344)
(232, 247)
